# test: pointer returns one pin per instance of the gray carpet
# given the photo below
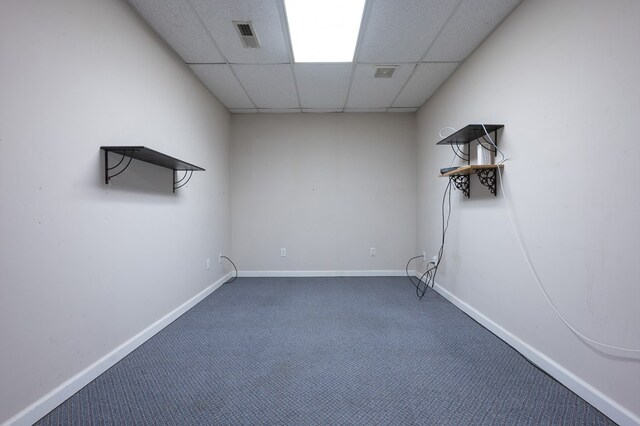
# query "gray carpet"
(323, 351)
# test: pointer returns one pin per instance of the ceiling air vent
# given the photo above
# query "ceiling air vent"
(247, 34)
(384, 71)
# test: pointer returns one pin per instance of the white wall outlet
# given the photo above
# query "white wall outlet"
(372, 252)
(208, 263)
(219, 257)
(283, 252)
(434, 259)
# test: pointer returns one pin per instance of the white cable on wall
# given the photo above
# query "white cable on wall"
(535, 276)
(446, 128)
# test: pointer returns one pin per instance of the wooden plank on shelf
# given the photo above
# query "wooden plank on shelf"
(471, 169)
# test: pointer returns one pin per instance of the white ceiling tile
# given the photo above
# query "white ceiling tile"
(243, 110)
(469, 26)
(401, 31)
(424, 81)
(177, 24)
(365, 110)
(270, 86)
(370, 92)
(323, 85)
(219, 15)
(220, 80)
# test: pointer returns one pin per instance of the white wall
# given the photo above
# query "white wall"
(85, 266)
(327, 187)
(563, 78)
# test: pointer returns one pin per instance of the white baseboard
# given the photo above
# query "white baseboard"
(375, 273)
(593, 396)
(57, 396)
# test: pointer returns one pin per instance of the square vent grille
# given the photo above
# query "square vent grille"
(384, 71)
(247, 34)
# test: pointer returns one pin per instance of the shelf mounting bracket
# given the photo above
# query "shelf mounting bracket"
(462, 183)
(177, 183)
(107, 169)
(487, 177)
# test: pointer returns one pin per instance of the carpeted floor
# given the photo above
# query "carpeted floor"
(323, 351)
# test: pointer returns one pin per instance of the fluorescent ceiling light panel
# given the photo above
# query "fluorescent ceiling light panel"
(324, 30)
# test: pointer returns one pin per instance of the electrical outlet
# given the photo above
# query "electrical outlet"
(220, 258)
(208, 263)
(283, 252)
(434, 259)
(372, 252)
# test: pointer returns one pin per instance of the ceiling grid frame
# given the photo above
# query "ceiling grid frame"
(287, 41)
(363, 30)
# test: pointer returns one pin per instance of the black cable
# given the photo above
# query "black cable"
(428, 278)
(234, 267)
(406, 270)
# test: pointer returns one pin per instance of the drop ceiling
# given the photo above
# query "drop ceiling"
(425, 39)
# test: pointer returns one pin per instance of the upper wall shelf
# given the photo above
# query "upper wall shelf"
(469, 134)
(151, 156)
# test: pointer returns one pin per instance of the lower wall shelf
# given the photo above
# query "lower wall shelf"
(486, 174)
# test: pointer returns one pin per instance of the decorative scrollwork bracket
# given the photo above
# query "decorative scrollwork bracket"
(487, 177)
(462, 183)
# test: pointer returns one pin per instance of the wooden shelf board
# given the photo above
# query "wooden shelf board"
(471, 169)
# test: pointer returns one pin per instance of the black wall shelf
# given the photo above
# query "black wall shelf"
(486, 173)
(147, 155)
(470, 133)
